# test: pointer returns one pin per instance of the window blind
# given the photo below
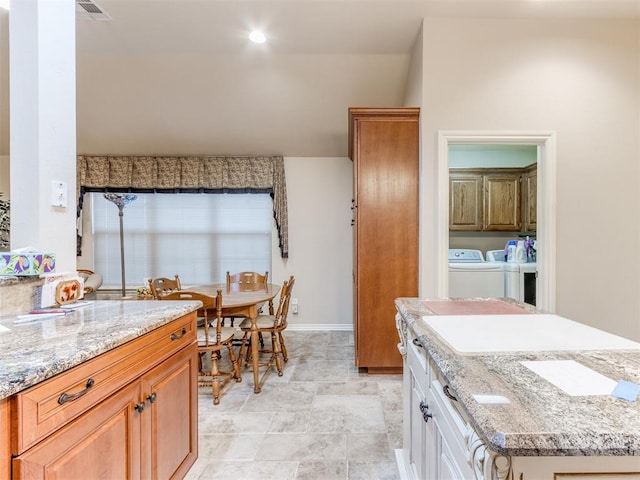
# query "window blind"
(197, 236)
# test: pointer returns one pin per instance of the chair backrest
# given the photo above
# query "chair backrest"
(280, 318)
(247, 277)
(162, 285)
(210, 306)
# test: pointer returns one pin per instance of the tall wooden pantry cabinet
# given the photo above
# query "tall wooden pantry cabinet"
(383, 144)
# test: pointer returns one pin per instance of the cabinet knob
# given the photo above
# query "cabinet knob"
(139, 407)
(152, 398)
(424, 408)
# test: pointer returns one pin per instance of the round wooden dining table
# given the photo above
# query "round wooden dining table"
(243, 299)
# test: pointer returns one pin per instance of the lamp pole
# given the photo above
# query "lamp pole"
(121, 200)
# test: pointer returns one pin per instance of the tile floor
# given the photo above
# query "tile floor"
(322, 420)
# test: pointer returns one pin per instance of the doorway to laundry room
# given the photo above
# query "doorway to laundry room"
(499, 189)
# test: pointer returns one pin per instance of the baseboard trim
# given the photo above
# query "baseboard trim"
(344, 327)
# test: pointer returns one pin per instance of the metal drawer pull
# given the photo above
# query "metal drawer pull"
(67, 397)
(424, 408)
(175, 336)
(139, 407)
(417, 343)
(446, 391)
(152, 397)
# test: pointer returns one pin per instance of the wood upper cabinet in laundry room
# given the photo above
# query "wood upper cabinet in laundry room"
(502, 202)
(465, 201)
(384, 147)
(483, 199)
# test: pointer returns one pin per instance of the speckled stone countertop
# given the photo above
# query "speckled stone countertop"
(540, 419)
(34, 351)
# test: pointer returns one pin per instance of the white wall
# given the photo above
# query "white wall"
(581, 80)
(319, 193)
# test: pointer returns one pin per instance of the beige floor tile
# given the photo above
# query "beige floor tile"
(246, 422)
(321, 371)
(356, 387)
(372, 447)
(347, 413)
(361, 470)
(303, 446)
(242, 470)
(285, 397)
(289, 422)
(229, 446)
(322, 420)
(319, 470)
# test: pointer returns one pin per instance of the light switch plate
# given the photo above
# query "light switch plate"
(59, 196)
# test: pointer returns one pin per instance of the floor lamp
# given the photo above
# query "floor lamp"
(121, 201)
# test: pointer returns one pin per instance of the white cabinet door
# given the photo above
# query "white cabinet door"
(421, 448)
(448, 467)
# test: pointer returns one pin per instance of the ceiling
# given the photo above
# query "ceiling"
(289, 96)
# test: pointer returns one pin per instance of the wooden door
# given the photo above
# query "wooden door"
(102, 443)
(502, 202)
(465, 201)
(384, 148)
(169, 423)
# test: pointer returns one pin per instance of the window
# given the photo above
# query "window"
(197, 236)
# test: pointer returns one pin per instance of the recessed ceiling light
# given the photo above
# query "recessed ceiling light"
(257, 37)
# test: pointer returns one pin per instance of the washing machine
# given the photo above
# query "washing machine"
(471, 276)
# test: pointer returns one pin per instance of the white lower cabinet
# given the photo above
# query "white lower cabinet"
(421, 432)
(439, 442)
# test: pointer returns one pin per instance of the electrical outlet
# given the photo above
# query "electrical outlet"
(294, 305)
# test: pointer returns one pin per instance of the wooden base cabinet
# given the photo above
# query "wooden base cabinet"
(5, 439)
(101, 444)
(145, 429)
(384, 147)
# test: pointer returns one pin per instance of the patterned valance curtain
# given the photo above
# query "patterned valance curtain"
(188, 174)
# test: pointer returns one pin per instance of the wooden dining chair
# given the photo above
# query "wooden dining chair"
(162, 285)
(274, 325)
(248, 278)
(212, 339)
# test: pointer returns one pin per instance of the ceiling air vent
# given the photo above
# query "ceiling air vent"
(89, 10)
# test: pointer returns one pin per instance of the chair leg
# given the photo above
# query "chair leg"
(248, 354)
(244, 343)
(215, 378)
(234, 363)
(276, 353)
(283, 349)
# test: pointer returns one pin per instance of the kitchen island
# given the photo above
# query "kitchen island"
(108, 390)
(484, 414)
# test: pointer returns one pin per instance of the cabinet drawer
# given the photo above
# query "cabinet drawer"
(454, 427)
(42, 409)
(417, 358)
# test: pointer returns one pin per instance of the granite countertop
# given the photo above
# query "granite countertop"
(34, 351)
(540, 419)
